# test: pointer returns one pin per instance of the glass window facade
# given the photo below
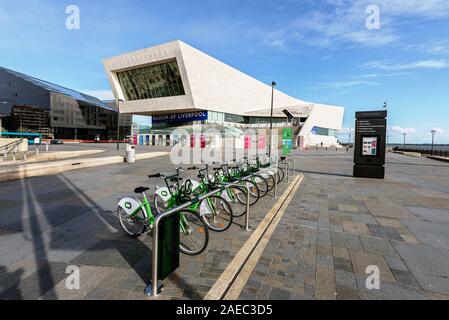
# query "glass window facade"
(235, 118)
(157, 81)
(323, 131)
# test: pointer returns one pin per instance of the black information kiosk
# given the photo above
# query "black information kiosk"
(370, 144)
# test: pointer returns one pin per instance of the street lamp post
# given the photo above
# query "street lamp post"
(349, 142)
(433, 139)
(405, 134)
(118, 122)
(273, 84)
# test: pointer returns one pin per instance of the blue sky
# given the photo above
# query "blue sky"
(319, 51)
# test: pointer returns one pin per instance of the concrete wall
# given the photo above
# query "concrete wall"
(145, 57)
(323, 116)
(219, 87)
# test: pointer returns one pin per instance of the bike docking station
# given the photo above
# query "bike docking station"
(165, 251)
(166, 237)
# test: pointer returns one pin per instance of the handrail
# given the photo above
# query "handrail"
(12, 145)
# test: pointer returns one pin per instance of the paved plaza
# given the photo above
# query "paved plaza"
(337, 226)
(333, 229)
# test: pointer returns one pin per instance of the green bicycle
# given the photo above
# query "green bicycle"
(235, 195)
(136, 218)
(214, 210)
(225, 174)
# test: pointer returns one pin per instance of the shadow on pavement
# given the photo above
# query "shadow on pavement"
(53, 225)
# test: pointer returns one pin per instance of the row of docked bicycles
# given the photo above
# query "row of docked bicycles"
(245, 181)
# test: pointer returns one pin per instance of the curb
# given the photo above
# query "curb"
(438, 158)
(231, 282)
(43, 169)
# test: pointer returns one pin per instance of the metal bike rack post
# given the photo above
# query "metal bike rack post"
(228, 185)
(247, 210)
(287, 167)
(153, 289)
(293, 167)
(275, 185)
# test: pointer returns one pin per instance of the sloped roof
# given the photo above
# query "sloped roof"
(59, 89)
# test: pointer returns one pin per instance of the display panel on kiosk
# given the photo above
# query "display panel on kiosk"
(370, 146)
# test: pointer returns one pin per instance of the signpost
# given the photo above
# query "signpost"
(287, 141)
(370, 144)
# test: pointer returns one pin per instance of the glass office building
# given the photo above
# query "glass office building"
(38, 106)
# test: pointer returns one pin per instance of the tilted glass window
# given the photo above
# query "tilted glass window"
(157, 81)
(323, 131)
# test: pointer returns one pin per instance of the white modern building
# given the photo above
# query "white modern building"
(179, 85)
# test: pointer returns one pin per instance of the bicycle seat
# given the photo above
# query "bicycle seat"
(174, 179)
(141, 189)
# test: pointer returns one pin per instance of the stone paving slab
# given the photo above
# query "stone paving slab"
(51, 222)
(332, 230)
(397, 224)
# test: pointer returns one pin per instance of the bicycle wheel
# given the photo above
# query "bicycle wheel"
(270, 180)
(254, 192)
(216, 213)
(236, 196)
(132, 226)
(160, 205)
(194, 234)
(262, 183)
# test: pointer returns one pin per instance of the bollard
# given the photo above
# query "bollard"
(37, 151)
(247, 228)
(46, 146)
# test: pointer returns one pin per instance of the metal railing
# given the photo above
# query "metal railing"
(425, 151)
(153, 289)
(11, 147)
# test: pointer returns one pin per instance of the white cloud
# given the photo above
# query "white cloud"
(425, 9)
(343, 22)
(347, 84)
(276, 44)
(422, 64)
(346, 130)
(100, 94)
(397, 129)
